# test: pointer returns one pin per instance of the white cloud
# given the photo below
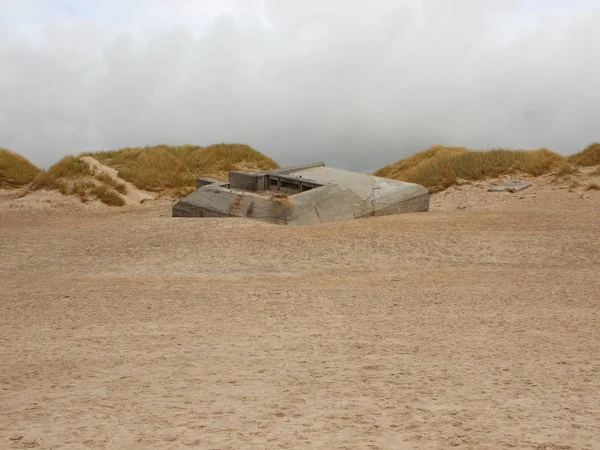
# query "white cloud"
(356, 83)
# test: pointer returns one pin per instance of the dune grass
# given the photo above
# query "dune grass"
(439, 167)
(16, 171)
(70, 167)
(590, 156)
(107, 195)
(174, 169)
(107, 179)
(164, 169)
(419, 160)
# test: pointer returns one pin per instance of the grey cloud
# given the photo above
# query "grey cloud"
(358, 84)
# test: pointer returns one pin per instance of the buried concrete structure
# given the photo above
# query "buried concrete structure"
(302, 195)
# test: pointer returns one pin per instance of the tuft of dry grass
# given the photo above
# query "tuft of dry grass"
(593, 187)
(183, 192)
(16, 171)
(283, 199)
(438, 168)
(164, 168)
(590, 156)
(573, 184)
(107, 195)
(596, 173)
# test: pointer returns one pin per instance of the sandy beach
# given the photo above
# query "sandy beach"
(475, 325)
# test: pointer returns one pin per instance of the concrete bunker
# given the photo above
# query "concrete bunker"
(302, 195)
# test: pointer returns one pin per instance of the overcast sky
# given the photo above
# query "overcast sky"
(355, 83)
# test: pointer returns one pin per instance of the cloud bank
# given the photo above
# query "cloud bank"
(357, 84)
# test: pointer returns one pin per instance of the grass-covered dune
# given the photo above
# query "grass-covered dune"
(172, 170)
(164, 168)
(16, 171)
(439, 167)
(590, 156)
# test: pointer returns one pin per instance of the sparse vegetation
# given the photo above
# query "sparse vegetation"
(107, 195)
(16, 171)
(590, 156)
(573, 184)
(596, 172)
(283, 199)
(593, 187)
(566, 169)
(173, 170)
(439, 167)
(107, 179)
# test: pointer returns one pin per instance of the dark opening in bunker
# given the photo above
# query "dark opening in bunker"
(290, 187)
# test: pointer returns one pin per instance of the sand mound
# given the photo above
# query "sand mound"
(87, 184)
(44, 200)
(90, 180)
(474, 195)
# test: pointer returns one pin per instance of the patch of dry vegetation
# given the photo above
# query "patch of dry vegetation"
(565, 169)
(590, 156)
(107, 195)
(107, 179)
(593, 187)
(282, 198)
(438, 167)
(174, 170)
(419, 160)
(16, 171)
(72, 176)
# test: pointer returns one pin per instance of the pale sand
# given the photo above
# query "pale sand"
(123, 328)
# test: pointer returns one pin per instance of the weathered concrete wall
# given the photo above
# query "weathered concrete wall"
(418, 203)
(245, 181)
(215, 201)
(332, 202)
(396, 197)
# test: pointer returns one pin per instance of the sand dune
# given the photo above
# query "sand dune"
(472, 326)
